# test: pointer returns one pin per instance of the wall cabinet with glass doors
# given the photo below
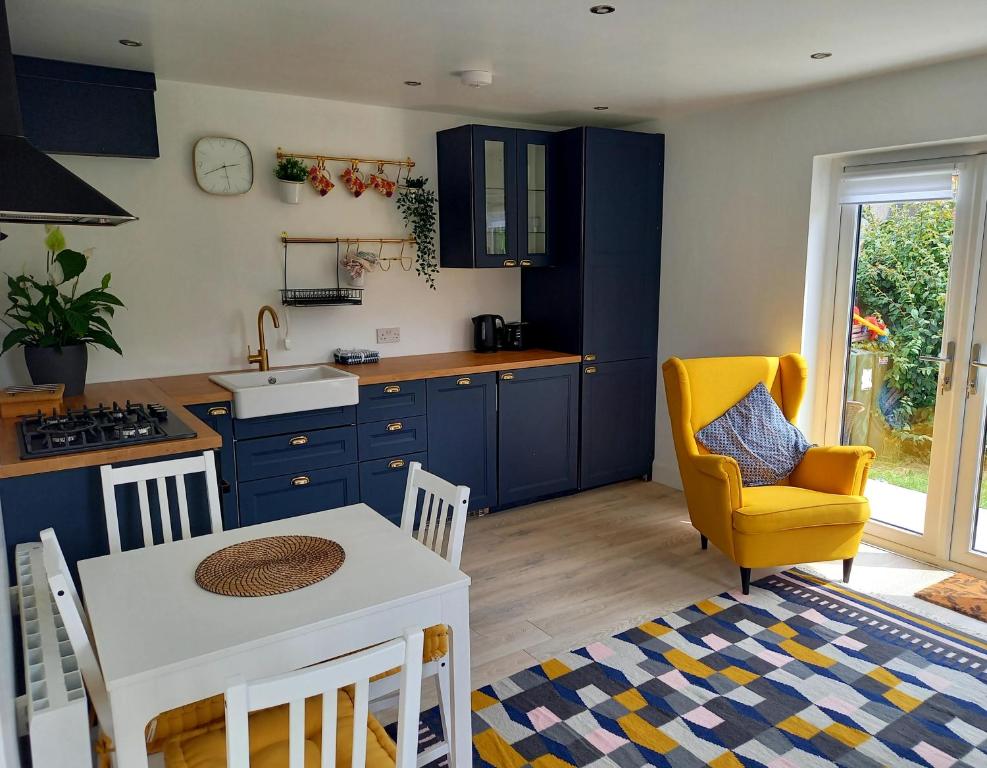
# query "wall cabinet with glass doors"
(495, 196)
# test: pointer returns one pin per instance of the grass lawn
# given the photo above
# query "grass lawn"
(913, 477)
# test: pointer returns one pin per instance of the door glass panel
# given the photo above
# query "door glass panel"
(536, 198)
(494, 205)
(901, 276)
(979, 544)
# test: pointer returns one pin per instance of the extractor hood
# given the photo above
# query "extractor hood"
(34, 188)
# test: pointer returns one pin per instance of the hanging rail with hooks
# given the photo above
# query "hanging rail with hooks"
(406, 163)
(296, 297)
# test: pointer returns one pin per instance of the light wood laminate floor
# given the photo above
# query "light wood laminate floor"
(555, 575)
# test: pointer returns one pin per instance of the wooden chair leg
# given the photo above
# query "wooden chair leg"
(703, 541)
(847, 566)
(745, 580)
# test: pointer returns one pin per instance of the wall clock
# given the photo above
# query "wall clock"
(223, 165)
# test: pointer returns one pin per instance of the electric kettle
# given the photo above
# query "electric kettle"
(487, 332)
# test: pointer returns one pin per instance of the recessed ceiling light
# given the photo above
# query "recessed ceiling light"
(131, 43)
(413, 83)
(601, 109)
(820, 55)
(602, 10)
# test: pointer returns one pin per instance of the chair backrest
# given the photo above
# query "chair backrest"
(699, 390)
(326, 679)
(160, 471)
(443, 512)
(77, 627)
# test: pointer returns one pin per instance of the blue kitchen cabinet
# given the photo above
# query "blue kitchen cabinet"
(295, 452)
(617, 421)
(218, 417)
(383, 482)
(277, 498)
(384, 439)
(535, 201)
(462, 434)
(538, 432)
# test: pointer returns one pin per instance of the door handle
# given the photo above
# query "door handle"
(510, 262)
(464, 381)
(396, 464)
(390, 389)
(975, 365)
(219, 410)
(506, 376)
(526, 262)
(589, 369)
(298, 440)
(301, 480)
(946, 361)
(395, 426)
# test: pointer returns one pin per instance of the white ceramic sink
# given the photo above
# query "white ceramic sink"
(289, 390)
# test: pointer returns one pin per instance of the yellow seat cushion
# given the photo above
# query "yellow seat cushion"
(773, 508)
(269, 740)
(436, 647)
(184, 719)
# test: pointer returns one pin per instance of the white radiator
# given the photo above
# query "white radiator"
(55, 709)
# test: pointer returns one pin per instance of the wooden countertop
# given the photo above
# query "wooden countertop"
(136, 390)
(196, 388)
(176, 391)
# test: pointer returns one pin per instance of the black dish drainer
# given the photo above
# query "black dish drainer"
(317, 297)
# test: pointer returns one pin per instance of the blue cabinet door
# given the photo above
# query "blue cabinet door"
(218, 418)
(394, 400)
(538, 432)
(618, 421)
(496, 237)
(276, 498)
(622, 243)
(384, 439)
(382, 483)
(462, 434)
(536, 169)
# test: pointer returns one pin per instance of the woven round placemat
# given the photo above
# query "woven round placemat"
(269, 566)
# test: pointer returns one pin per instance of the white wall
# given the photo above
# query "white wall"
(737, 194)
(196, 267)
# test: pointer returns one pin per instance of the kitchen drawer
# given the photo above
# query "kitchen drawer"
(295, 452)
(394, 400)
(303, 421)
(298, 494)
(382, 483)
(389, 438)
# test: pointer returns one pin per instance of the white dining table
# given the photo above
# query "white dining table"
(163, 641)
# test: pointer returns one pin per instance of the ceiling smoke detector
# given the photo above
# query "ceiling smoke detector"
(476, 78)
(130, 43)
(820, 55)
(602, 10)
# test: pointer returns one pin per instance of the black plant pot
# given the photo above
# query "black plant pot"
(59, 365)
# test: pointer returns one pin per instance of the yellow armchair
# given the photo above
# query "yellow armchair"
(818, 513)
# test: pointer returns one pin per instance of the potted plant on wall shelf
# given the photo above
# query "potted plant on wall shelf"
(55, 322)
(291, 172)
(417, 206)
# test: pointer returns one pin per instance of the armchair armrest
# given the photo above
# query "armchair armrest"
(838, 469)
(725, 471)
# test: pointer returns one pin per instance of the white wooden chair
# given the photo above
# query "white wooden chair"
(343, 685)
(159, 472)
(76, 624)
(77, 628)
(441, 528)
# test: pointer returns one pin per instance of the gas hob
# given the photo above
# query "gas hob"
(90, 429)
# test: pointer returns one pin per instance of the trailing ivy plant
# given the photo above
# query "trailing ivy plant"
(417, 206)
(52, 312)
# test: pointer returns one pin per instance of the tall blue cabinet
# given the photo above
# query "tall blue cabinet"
(601, 300)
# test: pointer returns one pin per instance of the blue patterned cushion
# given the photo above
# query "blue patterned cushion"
(756, 433)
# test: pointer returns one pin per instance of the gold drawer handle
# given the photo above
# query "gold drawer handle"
(301, 480)
(506, 376)
(396, 464)
(395, 426)
(465, 381)
(219, 410)
(510, 262)
(526, 262)
(391, 389)
(299, 440)
(590, 369)
(589, 358)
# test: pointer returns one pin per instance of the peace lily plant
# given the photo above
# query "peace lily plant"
(55, 320)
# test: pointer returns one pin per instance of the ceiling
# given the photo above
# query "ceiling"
(552, 60)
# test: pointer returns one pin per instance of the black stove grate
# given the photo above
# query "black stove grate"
(89, 429)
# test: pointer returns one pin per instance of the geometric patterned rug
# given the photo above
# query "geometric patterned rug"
(798, 674)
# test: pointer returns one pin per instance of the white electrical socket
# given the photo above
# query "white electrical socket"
(388, 335)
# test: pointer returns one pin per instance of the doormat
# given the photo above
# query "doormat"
(961, 593)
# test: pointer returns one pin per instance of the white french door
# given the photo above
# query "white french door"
(909, 311)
